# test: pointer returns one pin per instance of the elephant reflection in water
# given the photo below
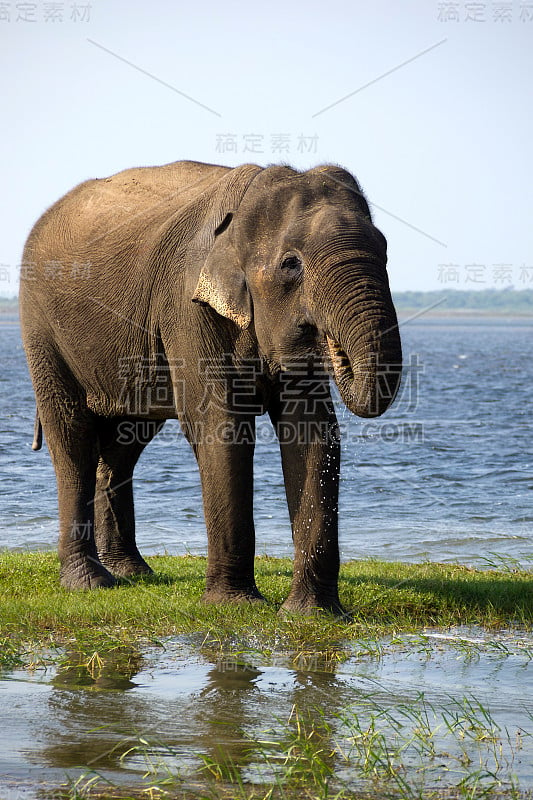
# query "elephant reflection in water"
(113, 670)
(246, 713)
(90, 708)
(99, 710)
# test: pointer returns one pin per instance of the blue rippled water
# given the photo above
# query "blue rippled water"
(445, 475)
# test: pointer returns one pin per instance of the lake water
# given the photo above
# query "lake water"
(446, 474)
(442, 710)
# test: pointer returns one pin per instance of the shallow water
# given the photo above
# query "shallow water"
(445, 475)
(464, 692)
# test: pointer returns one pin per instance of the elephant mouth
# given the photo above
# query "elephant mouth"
(356, 382)
(367, 385)
(342, 367)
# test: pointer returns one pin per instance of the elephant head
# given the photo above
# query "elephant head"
(300, 259)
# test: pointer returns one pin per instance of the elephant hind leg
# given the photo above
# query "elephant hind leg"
(121, 442)
(69, 427)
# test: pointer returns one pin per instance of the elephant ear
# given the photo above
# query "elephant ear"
(221, 282)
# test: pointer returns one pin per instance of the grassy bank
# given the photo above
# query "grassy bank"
(383, 598)
(369, 749)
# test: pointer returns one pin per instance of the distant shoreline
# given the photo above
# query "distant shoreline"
(413, 316)
(436, 304)
(461, 313)
(454, 302)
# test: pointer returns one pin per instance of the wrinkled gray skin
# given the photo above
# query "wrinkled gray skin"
(134, 289)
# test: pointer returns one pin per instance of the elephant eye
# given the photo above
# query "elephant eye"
(291, 264)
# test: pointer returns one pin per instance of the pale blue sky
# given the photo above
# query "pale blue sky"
(437, 120)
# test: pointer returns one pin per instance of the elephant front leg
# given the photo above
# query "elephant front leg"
(310, 453)
(225, 458)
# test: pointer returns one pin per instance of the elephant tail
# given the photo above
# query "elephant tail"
(37, 433)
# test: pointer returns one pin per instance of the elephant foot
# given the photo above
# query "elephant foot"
(309, 604)
(218, 594)
(87, 575)
(125, 566)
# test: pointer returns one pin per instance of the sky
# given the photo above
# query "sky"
(428, 103)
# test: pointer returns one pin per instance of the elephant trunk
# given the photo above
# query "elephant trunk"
(363, 341)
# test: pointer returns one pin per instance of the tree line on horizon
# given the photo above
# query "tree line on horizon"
(510, 300)
(501, 300)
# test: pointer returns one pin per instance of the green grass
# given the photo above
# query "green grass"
(383, 598)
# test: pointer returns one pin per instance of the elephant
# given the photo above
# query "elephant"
(212, 295)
